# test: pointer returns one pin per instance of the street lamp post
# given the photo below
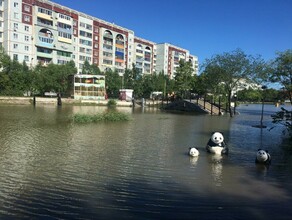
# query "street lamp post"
(262, 114)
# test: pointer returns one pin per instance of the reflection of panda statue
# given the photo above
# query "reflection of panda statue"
(216, 144)
(263, 157)
(193, 152)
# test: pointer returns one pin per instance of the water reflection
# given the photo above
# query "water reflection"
(217, 168)
(52, 168)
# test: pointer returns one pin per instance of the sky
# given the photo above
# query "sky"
(204, 27)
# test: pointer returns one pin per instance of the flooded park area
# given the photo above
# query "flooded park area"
(53, 168)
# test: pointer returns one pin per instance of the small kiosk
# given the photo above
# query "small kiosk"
(126, 94)
(90, 87)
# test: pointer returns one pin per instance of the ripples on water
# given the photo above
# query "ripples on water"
(51, 168)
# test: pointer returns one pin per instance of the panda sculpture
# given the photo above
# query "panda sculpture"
(193, 152)
(263, 157)
(216, 144)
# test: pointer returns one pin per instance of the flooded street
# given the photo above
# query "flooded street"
(52, 168)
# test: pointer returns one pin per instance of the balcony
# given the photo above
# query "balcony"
(109, 36)
(106, 42)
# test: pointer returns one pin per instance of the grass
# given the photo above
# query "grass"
(111, 116)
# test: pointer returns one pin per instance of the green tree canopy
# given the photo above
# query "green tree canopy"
(184, 79)
(282, 73)
(224, 72)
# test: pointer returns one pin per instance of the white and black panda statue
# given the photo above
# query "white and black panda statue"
(193, 152)
(263, 157)
(216, 144)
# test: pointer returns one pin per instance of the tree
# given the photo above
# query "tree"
(183, 77)
(86, 68)
(90, 69)
(133, 80)
(54, 77)
(282, 73)
(113, 82)
(228, 69)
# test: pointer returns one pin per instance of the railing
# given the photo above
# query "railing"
(210, 107)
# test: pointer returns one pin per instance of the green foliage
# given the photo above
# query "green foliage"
(283, 71)
(222, 73)
(113, 83)
(249, 95)
(90, 69)
(17, 78)
(284, 117)
(111, 102)
(184, 79)
(110, 116)
(53, 77)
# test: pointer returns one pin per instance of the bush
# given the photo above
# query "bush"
(106, 116)
(111, 102)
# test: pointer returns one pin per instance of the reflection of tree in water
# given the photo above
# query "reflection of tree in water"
(217, 169)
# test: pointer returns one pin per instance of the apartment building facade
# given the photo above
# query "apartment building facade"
(169, 57)
(41, 31)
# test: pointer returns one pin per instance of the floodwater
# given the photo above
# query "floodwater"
(51, 168)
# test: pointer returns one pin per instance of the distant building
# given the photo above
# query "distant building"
(244, 84)
(168, 57)
(41, 31)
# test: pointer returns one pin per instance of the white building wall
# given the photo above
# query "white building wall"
(161, 58)
(84, 51)
(131, 50)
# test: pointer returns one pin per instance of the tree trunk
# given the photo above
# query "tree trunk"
(229, 104)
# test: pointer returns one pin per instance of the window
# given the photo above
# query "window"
(15, 46)
(15, 5)
(64, 35)
(45, 11)
(26, 8)
(64, 17)
(15, 36)
(15, 25)
(26, 48)
(85, 34)
(26, 58)
(26, 18)
(15, 56)
(16, 15)
(26, 28)
(85, 42)
(26, 38)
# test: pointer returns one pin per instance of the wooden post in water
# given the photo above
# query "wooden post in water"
(59, 99)
(219, 104)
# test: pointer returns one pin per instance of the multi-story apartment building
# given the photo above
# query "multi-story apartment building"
(41, 31)
(145, 55)
(169, 57)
